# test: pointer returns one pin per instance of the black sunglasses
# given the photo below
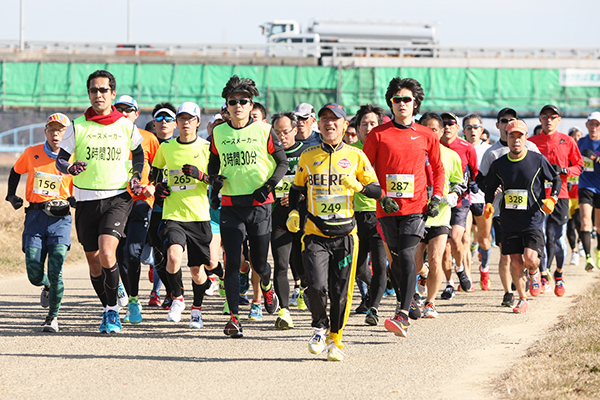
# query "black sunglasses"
(242, 102)
(126, 109)
(403, 99)
(95, 90)
(449, 122)
(507, 120)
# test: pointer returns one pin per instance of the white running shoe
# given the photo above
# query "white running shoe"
(316, 344)
(50, 325)
(122, 296)
(575, 258)
(196, 319)
(177, 307)
(214, 285)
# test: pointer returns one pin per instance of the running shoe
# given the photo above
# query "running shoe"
(448, 293)
(122, 296)
(271, 300)
(398, 325)
(151, 274)
(334, 353)
(221, 288)
(414, 311)
(243, 300)
(389, 292)
(508, 300)
(233, 328)
(362, 307)
(244, 281)
(589, 264)
(103, 328)
(134, 311)
(470, 290)
(581, 251)
(484, 280)
(294, 297)
(372, 317)
(284, 319)
(429, 311)
(214, 285)
(418, 299)
(176, 309)
(113, 323)
(50, 324)
(521, 307)
(559, 287)
(465, 282)
(226, 308)
(535, 286)
(154, 300)
(302, 300)
(422, 286)
(316, 344)
(167, 301)
(196, 319)
(574, 258)
(256, 313)
(545, 283)
(44, 297)
(597, 258)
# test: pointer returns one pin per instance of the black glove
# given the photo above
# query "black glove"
(215, 203)
(590, 154)
(162, 191)
(72, 201)
(388, 205)
(15, 201)
(434, 207)
(135, 185)
(473, 186)
(560, 170)
(193, 172)
(216, 181)
(77, 167)
(262, 193)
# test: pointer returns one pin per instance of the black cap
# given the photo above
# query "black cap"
(550, 107)
(449, 115)
(505, 111)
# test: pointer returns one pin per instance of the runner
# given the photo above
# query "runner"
(521, 174)
(399, 151)
(186, 220)
(47, 232)
(574, 224)
(437, 228)
(252, 160)
(562, 152)
(330, 173)
(306, 119)
(130, 248)
(102, 137)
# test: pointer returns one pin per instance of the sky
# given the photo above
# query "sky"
(510, 23)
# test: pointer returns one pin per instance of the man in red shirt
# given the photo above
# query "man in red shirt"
(398, 150)
(562, 152)
(455, 246)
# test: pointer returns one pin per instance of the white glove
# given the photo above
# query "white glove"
(451, 199)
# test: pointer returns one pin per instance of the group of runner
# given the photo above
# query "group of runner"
(395, 208)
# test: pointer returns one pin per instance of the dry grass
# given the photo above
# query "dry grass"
(12, 259)
(566, 364)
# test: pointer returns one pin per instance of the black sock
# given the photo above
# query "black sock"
(111, 284)
(218, 271)
(557, 275)
(98, 284)
(586, 242)
(176, 284)
(199, 292)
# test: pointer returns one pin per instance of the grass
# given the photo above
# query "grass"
(566, 364)
(12, 259)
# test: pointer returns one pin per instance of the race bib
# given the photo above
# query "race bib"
(573, 179)
(515, 199)
(400, 186)
(331, 206)
(284, 186)
(179, 182)
(547, 185)
(46, 184)
(588, 165)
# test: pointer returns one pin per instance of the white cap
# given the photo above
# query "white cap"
(127, 100)
(189, 108)
(214, 118)
(595, 115)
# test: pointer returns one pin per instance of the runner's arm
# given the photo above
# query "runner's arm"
(62, 161)
(278, 153)
(491, 183)
(137, 159)
(13, 183)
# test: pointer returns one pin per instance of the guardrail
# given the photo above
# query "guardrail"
(18, 139)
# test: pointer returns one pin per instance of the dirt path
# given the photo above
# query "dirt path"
(455, 356)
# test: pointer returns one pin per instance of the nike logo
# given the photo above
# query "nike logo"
(414, 137)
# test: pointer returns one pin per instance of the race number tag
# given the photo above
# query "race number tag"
(46, 184)
(284, 186)
(400, 186)
(179, 182)
(588, 165)
(547, 185)
(331, 206)
(573, 179)
(515, 199)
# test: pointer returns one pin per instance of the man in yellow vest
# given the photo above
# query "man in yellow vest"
(101, 142)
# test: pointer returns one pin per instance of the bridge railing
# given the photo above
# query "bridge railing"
(18, 139)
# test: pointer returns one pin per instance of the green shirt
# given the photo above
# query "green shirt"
(453, 174)
(188, 201)
(362, 202)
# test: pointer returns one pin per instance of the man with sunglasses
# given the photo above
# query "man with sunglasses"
(498, 149)
(101, 142)
(306, 119)
(399, 151)
(563, 153)
(250, 161)
(130, 248)
(456, 246)
(473, 129)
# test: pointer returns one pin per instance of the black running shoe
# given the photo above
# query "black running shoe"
(414, 312)
(372, 317)
(448, 293)
(234, 328)
(271, 300)
(362, 308)
(508, 300)
(465, 283)
(167, 302)
(419, 299)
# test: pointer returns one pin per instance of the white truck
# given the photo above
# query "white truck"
(349, 38)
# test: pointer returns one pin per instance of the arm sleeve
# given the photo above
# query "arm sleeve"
(62, 161)
(575, 160)
(13, 183)
(491, 183)
(278, 153)
(550, 175)
(366, 176)
(372, 190)
(137, 159)
(214, 162)
(473, 163)
(294, 198)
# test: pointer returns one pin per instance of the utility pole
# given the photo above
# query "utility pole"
(22, 28)
(128, 21)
